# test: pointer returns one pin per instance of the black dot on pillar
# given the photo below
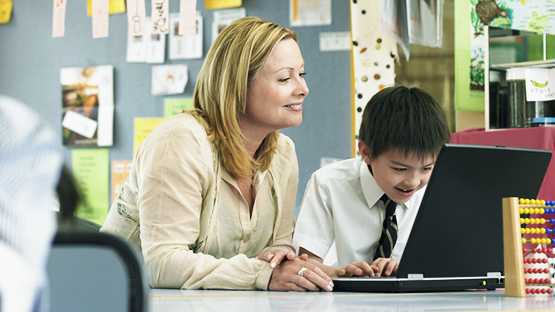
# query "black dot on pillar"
(359, 109)
(391, 54)
(355, 1)
(359, 95)
(379, 40)
(363, 11)
(355, 43)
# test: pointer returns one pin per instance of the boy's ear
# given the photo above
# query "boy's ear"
(364, 152)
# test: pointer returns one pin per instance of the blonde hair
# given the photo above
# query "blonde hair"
(235, 59)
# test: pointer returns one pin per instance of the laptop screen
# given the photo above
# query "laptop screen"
(459, 228)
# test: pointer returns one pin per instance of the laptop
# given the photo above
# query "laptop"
(456, 241)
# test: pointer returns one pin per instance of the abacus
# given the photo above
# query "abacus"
(528, 246)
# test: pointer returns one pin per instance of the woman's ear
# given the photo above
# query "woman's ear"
(364, 152)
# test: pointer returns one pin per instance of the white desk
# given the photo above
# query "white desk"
(173, 300)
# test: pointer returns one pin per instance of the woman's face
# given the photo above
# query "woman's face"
(275, 97)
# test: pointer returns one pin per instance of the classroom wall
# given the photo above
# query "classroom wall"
(30, 63)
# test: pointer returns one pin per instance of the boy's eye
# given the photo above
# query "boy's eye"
(428, 168)
(400, 169)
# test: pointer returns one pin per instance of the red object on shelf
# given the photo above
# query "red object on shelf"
(537, 138)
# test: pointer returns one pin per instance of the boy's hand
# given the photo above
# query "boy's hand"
(277, 256)
(385, 266)
(357, 269)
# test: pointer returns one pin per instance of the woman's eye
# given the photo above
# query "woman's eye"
(284, 79)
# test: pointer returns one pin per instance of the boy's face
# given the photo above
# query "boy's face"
(398, 176)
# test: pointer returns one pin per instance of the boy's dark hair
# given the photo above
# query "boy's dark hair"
(407, 120)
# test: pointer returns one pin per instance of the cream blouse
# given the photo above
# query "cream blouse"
(187, 214)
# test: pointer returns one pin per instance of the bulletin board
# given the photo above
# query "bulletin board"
(30, 63)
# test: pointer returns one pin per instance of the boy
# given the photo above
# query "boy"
(400, 135)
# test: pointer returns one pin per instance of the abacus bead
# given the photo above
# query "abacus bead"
(526, 211)
(542, 211)
(543, 291)
(534, 270)
(549, 291)
(521, 210)
(544, 250)
(521, 220)
(545, 270)
(543, 230)
(534, 260)
(550, 260)
(524, 240)
(552, 221)
(544, 260)
(532, 231)
(532, 240)
(551, 270)
(527, 201)
(532, 221)
(528, 291)
(544, 241)
(536, 210)
(542, 221)
(521, 201)
(524, 250)
(549, 250)
(542, 202)
(532, 201)
(536, 281)
(548, 231)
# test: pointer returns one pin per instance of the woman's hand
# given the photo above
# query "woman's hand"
(299, 275)
(385, 266)
(357, 269)
(277, 256)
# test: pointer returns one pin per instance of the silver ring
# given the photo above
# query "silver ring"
(301, 272)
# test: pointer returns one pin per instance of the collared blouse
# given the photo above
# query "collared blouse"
(187, 214)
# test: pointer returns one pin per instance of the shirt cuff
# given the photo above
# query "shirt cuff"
(263, 276)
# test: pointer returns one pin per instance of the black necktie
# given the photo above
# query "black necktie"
(389, 229)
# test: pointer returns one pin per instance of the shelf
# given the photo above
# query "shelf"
(544, 63)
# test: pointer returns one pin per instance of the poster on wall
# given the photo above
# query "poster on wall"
(87, 105)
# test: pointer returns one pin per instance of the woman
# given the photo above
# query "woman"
(215, 187)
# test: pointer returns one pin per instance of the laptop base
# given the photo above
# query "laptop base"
(361, 284)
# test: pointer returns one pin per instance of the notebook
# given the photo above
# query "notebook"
(456, 241)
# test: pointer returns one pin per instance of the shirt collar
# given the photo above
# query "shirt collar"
(371, 190)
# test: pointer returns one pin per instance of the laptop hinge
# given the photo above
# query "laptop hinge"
(494, 274)
(417, 276)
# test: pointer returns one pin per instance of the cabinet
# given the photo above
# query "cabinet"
(496, 115)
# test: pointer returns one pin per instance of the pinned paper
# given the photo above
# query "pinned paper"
(221, 4)
(79, 124)
(160, 17)
(115, 6)
(187, 17)
(335, 41)
(174, 106)
(186, 46)
(88, 92)
(147, 48)
(136, 17)
(91, 170)
(310, 12)
(540, 84)
(100, 18)
(143, 127)
(169, 79)
(223, 18)
(120, 172)
(58, 18)
(6, 7)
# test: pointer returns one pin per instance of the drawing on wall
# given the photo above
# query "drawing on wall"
(88, 101)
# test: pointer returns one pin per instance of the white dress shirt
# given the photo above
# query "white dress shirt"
(30, 166)
(342, 205)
